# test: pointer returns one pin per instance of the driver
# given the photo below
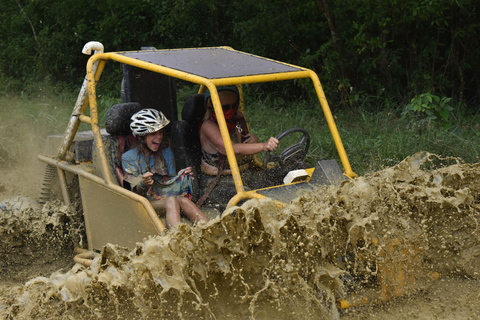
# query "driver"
(244, 143)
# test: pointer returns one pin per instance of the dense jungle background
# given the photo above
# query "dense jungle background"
(364, 51)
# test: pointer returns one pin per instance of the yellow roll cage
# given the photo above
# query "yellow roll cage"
(211, 84)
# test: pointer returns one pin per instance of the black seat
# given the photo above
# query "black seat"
(185, 138)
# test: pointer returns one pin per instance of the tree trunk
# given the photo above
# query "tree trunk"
(31, 24)
(337, 46)
(337, 43)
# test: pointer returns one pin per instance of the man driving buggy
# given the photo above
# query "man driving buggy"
(244, 143)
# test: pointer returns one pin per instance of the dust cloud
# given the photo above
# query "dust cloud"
(384, 238)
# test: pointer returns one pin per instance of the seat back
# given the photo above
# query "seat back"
(185, 138)
(117, 124)
(152, 90)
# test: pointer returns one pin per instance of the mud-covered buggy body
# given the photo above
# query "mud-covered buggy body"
(92, 159)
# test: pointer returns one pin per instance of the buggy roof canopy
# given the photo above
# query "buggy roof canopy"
(213, 63)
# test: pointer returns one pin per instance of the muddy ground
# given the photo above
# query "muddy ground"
(264, 263)
(27, 256)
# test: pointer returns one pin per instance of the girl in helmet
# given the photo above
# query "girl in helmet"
(150, 169)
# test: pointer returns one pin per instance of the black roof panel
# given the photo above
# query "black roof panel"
(212, 63)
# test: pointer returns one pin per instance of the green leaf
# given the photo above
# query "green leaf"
(444, 114)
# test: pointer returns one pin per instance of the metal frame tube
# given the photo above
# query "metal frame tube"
(115, 188)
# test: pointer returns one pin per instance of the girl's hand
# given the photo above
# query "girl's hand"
(147, 178)
(188, 170)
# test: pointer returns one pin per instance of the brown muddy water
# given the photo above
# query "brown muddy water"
(418, 217)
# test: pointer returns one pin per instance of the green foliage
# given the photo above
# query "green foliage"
(369, 51)
(408, 47)
(428, 107)
(374, 140)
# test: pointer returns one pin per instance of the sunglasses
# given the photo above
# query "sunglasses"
(226, 107)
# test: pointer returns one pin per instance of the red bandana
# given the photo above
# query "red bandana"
(229, 114)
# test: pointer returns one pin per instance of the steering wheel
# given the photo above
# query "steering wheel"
(292, 154)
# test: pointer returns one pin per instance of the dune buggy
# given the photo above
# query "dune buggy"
(113, 213)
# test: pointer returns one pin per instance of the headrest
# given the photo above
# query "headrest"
(234, 89)
(194, 108)
(118, 117)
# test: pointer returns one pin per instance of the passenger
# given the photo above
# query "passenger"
(150, 169)
(244, 143)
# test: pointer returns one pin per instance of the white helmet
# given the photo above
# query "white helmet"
(147, 121)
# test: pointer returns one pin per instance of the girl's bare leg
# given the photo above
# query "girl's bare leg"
(191, 210)
(172, 207)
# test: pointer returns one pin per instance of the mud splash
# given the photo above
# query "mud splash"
(261, 262)
(36, 239)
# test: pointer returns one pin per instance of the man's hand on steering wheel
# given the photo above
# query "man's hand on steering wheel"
(292, 154)
(271, 144)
